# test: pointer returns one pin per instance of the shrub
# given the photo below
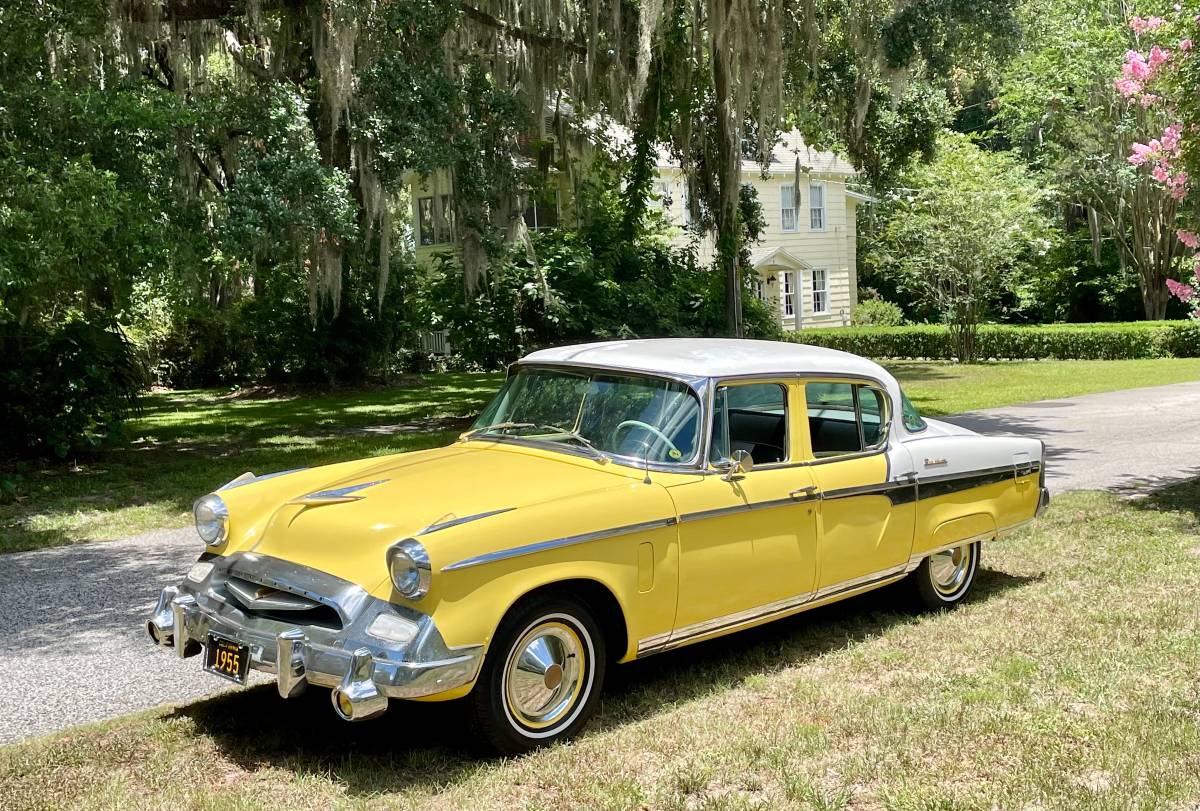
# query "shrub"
(878, 313)
(1157, 339)
(66, 389)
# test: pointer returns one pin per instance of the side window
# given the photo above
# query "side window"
(751, 417)
(845, 418)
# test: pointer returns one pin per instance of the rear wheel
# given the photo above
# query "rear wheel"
(542, 677)
(944, 578)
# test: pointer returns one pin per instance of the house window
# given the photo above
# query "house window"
(816, 206)
(661, 198)
(787, 290)
(756, 287)
(787, 207)
(820, 290)
(542, 214)
(435, 220)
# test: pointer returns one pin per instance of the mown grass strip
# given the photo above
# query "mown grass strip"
(1067, 681)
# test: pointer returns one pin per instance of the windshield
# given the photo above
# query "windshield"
(615, 414)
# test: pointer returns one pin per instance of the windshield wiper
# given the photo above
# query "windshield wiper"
(587, 443)
(500, 426)
(595, 452)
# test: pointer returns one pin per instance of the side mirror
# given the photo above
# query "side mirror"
(737, 465)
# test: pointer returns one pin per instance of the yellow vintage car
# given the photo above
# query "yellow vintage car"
(615, 500)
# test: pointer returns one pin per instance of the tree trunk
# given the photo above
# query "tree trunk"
(729, 171)
(1154, 299)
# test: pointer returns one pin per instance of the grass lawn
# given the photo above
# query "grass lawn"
(1067, 681)
(188, 442)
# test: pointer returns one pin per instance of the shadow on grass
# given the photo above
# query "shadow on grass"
(427, 745)
(1168, 494)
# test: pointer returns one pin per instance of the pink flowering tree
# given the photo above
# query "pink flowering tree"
(1163, 74)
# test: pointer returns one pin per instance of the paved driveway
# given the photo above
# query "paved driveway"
(73, 648)
(1128, 441)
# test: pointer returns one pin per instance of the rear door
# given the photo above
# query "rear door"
(866, 514)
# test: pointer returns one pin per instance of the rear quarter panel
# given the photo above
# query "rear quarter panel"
(973, 487)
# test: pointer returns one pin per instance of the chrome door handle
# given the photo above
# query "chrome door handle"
(805, 492)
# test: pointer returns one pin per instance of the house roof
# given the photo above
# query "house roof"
(791, 147)
(712, 357)
(777, 256)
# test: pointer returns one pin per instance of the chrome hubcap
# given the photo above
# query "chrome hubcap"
(544, 674)
(949, 568)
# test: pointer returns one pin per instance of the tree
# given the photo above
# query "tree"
(957, 230)
(1060, 104)
(1163, 75)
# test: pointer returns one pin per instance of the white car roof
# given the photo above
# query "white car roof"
(713, 357)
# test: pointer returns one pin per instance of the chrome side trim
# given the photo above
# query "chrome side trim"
(853, 583)
(742, 508)
(466, 519)
(774, 610)
(555, 543)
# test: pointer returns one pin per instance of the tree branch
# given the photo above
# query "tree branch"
(522, 34)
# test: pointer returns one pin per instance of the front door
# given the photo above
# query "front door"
(866, 515)
(747, 539)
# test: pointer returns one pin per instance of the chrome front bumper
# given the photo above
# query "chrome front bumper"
(366, 669)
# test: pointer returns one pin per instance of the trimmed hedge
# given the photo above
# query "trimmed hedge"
(1139, 339)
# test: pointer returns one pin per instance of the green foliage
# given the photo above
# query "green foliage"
(959, 229)
(877, 312)
(596, 282)
(65, 390)
(1142, 339)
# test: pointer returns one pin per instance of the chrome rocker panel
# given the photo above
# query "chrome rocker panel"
(368, 670)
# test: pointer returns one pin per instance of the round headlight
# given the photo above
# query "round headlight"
(408, 565)
(212, 519)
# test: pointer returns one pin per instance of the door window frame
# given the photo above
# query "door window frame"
(790, 403)
(885, 420)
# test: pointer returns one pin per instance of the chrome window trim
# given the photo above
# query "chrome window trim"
(703, 387)
(720, 383)
(695, 385)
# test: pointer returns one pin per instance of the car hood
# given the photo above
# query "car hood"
(414, 495)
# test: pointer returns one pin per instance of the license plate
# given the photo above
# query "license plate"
(227, 658)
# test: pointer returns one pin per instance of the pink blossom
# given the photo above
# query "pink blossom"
(1160, 174)
(1181, 291)
(1141, 153)
(1141, 25)
(1189, 238)
(1185, 44)
(1170, 138)
(1127, 87)
(1136, 67)
(1158, 56)
(1149, 100)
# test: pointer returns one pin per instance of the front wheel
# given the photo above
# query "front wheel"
(542, 677)
(944, 578)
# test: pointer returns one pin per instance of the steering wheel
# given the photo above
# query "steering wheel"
(648, 427)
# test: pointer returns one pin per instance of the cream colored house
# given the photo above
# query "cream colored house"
(805, 263)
